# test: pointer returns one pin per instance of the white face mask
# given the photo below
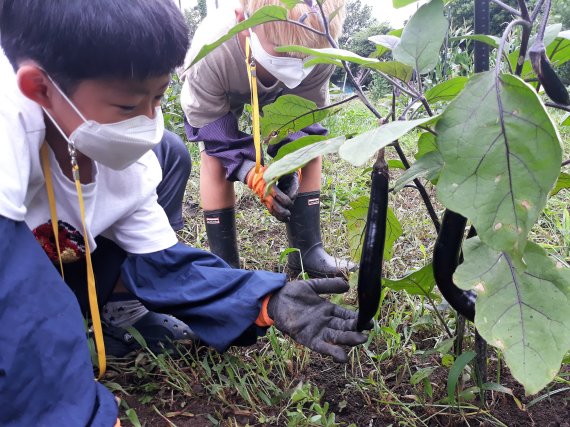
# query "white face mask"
(290, 71)
(115, 145)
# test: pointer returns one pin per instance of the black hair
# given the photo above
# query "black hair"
(75, 40)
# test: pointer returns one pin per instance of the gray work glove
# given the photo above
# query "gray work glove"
(289, 184)
(299, 311)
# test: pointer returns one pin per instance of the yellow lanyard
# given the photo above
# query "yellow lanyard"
(98, 330)
(251, 73)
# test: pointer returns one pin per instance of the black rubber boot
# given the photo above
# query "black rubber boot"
(221, 231)
(304, 233)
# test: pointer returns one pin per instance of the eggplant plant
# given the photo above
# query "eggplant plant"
(490, 146)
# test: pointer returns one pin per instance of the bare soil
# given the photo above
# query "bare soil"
(351, 405)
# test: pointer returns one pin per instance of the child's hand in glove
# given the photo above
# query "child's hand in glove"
(299, 311)
(280, 198)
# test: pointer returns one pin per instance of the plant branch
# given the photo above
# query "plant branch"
(503, 41)
(524, 38)
(559, 106)
(507, 7)
(421, 189)
(304, 26)
(410, 105)
(409, 91)
(566, 163)
(536, 10)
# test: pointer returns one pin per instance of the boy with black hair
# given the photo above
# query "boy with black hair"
(79, 117)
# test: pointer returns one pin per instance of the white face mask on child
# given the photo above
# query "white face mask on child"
(115, 145)
(290, 71)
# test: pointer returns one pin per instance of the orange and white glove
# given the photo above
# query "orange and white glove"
(280, 198)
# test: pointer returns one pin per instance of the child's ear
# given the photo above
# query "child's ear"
(34, 84)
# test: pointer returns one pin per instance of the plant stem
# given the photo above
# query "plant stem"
(503, 41)
(421, 189)
(536, 10)
(507, 7)
(566, 163)
(559, 106)
(524, 38)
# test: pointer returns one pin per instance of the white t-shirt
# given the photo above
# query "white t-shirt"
(120, 205)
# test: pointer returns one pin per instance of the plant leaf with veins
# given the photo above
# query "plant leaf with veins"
(299, 158)
(420, 282)
(447, 90)
(290, 113)
(501, 156)
(422, 38)
(523, 313)
(360, 148)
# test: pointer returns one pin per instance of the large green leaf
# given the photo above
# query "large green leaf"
(566, 120)
(356, 221)
(523, 313)
(333, 56)
(265, 14)
(300, 158)
(427, 166)
(501, 156)
(447, 90)
(298, 144)
(422, 38)
(562, 183)
(360, 148)
(420, 282)
(290, 113)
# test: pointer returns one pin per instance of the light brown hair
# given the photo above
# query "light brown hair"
(283, 33)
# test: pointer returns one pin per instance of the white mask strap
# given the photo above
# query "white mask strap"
(65, 97)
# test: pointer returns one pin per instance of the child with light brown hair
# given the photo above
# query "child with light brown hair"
(213, 96)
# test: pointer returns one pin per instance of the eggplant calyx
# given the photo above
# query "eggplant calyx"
(547, 76)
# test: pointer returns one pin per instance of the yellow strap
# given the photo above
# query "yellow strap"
(52, 208)
(94, 307)
(252, 74)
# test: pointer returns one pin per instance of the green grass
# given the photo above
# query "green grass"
(398, 377)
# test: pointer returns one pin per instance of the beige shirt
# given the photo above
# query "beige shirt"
(219, 83)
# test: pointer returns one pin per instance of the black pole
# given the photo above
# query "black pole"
(482, 26)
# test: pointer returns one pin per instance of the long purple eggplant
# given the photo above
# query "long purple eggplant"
(446, 257)
(370, 273)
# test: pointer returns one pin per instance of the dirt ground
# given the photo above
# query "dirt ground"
(350, 405)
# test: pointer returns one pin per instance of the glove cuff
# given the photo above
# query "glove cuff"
(244, 169)
(263, 320)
